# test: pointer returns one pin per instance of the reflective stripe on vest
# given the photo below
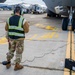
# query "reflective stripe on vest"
(16, 34)
(19, 28)
(16, 28)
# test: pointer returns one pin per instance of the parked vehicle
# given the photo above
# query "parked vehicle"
(6, 7)
(26, 7)
(39, 9)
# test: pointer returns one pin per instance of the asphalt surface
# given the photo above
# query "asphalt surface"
(44, 46)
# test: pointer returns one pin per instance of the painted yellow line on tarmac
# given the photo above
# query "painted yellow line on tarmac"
(51, 36)
(50, 28)
(33, 37)
(48, 36)
(41, 26)
(47, 27)
(73, 51)
(45, 36)
(66, 71)
(73, 73)
(3, 40)
(70, 45)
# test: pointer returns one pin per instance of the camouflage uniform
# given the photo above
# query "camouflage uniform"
(15, 45)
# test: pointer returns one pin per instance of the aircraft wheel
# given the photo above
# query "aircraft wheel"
(64, 24)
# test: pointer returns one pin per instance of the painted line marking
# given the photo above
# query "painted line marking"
(48, 36)
(68, 46)
(45, 36)
(73, 51)
(33, 37)
(51, 36)
(69, 54)
(47, 27)
(3, 40)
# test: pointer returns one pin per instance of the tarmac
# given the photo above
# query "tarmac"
(44, 47)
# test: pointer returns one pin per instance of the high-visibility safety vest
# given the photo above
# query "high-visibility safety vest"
(16, 32)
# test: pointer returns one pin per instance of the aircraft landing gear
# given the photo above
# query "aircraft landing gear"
(73, 24)
(68, 23)
(64, 24)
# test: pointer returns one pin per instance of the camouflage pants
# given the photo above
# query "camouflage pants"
(15, 45)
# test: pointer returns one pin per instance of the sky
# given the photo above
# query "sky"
(26, 1)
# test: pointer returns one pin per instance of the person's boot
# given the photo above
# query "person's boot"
(8, 65)
(18, 67)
